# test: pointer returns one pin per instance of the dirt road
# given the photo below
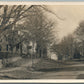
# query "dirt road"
(75, 71)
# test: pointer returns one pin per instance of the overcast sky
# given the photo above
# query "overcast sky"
(72, 15)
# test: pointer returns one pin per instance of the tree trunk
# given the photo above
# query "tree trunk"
(21, 49)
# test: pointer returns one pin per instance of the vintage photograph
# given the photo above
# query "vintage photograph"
(41, 42)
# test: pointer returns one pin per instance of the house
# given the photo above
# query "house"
(15, 43)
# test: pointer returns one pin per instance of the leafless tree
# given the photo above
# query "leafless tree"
(10, 15)
(41, 29)
(65, 49)
(79, 35)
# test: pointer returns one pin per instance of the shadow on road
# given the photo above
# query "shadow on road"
(73, 68)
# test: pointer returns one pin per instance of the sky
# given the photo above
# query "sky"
(72, 15)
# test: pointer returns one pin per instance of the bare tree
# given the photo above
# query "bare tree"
(79, 35)
(65, 49)
(10, 15)
(41, 29)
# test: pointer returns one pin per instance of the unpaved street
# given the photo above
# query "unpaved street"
(75, 71)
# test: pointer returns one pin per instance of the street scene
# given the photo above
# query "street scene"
(41, 42)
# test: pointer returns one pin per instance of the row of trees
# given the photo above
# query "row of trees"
(71, 46)
(31, 21)
(65, 49)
